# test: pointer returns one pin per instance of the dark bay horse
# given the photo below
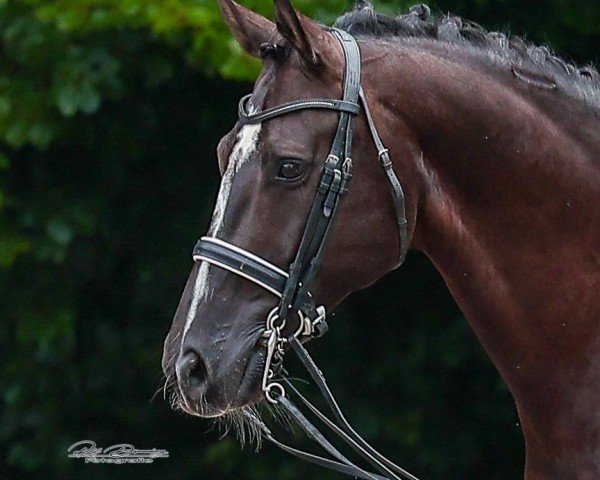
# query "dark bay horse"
(497, 146)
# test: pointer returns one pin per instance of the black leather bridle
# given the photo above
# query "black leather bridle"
(293, 287)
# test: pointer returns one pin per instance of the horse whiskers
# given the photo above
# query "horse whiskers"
(179, 402)
(167, 383)
(175, 398)
(245, 424)
(168, 380)
(172, 394)
(280, 416)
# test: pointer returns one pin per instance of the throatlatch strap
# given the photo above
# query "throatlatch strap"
(396, 187)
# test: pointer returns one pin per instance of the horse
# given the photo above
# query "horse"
(495, 143)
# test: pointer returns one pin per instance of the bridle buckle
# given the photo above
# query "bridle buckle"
(319, 326)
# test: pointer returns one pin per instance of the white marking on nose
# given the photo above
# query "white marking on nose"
(247, 142)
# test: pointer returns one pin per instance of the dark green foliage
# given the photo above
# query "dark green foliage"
(110, 112)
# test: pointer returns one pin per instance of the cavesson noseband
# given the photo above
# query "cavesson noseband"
(292, 287)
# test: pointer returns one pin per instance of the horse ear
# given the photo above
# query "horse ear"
(249, 28)
(300, 31)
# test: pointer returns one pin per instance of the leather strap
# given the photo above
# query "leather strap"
(257, 270)
(396, 187)
(337, 172)
(340, 427)
(347, 432)
(241, 262)
(316, 459)
(313, 103)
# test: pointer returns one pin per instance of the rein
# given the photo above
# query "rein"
(293, 288)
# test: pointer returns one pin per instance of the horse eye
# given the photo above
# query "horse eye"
(290, 170)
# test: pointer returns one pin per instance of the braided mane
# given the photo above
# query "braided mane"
(418, 22)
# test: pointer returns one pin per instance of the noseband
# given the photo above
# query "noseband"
(293, 287)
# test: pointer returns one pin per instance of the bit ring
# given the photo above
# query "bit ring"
(273, 318)
(269, 392)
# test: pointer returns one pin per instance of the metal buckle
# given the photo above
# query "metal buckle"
(319, 326)
(384, 158)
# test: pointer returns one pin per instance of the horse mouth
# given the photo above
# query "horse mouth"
(249, 391)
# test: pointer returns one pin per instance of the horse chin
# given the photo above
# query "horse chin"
(202, 412)
(201, 409)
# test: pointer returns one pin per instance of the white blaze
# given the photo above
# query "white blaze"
(247, 141)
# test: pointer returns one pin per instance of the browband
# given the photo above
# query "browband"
(313, 103)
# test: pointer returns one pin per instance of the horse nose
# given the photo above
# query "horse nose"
(191, 374)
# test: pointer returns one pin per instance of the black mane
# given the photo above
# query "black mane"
(364, 21)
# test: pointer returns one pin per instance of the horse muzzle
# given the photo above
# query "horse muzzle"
(211, 389)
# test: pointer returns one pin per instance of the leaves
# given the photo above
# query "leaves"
(11, 245)
(79, 79)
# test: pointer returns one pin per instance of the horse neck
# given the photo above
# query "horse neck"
(508, 212)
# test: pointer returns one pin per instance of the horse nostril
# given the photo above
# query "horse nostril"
(191, 373)
(197, 374)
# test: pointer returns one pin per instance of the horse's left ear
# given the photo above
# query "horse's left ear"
(300, 31)
(249, 28)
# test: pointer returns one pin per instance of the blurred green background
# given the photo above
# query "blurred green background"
(110, 112)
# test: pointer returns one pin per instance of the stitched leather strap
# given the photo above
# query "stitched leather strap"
(340, 427)
(259, 271)
(337, 173)
(347, 433)
(313, 103)
(316, 459)
(395, 185)
(241, 262)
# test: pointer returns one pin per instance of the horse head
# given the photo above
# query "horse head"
(270, 172)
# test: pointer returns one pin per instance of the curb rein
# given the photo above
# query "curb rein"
(293, 288)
